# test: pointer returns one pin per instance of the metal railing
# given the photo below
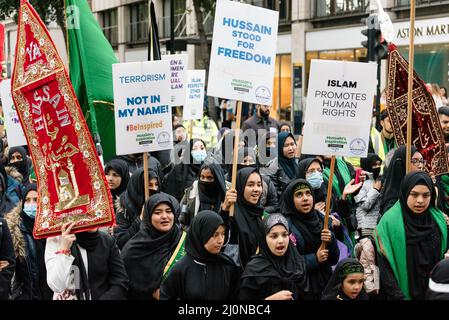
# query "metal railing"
(137, 32)
(111, 33)
(331, 8)
(406, 3)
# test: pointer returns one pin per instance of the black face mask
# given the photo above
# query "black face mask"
(21, 166)
(153, 192)
(376, 173)
(208, 188)
(265, 114)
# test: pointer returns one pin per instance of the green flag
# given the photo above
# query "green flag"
(90, 62)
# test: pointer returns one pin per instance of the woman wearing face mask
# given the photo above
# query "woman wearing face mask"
(267, 150)
(147, 256)
(130, 205)
(204, 273)
(184, 174)
(411, 238)
(346, 282)
(244, 228)
(278, 272)
(306, 225)
(368, 199)
(30, 280)
(17, 158)
(117, 176)
(207, 193)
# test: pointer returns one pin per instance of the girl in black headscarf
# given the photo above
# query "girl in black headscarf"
(131, 203)
(30, 281)
(393, 176)
(184, 174)
(206, 193)
(22, 165)
(6, 204)
(117, 175)
(147, 254)
(278, 272)
(85, 266)
(411, 238)
(346, 282)
(203, 273)
(283, 168)
(314, 178)
(245, 227)
(306, 225)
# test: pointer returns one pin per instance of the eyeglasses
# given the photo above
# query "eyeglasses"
(416, 161)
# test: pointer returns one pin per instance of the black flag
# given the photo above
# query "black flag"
(154, 50)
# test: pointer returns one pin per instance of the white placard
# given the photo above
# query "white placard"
(339, 108)
(243, 52)
(193, 107)
(178, 71)
(13, 128)
(143, 120)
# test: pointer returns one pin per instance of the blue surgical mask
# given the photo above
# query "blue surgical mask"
(315, 179)
(30, 209)
(199, 155)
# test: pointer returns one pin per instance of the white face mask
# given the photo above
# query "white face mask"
(199, 155)
(30, 209)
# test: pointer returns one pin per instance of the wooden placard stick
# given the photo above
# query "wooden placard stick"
(328, 199)
(235, 155)
(146, 181)
(411, 57)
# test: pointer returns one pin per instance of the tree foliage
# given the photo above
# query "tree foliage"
(48, 10)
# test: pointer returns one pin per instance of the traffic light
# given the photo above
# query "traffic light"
(375, 43)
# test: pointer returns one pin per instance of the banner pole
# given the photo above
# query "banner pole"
(191, 130)
(236, 150)
(411, 52)
(328, 199)
(146, 181)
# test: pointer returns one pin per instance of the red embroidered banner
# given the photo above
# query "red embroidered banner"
(71, 182)
(427, 134)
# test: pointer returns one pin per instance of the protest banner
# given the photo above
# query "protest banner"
(243, 53)
(142, 106)
(339, 108)
(194, 99)
(71, 183)
(339, 111)
(178, 73)
(242, 60)
(424, 123)
(14, 131)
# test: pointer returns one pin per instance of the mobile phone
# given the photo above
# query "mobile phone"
(358, 172)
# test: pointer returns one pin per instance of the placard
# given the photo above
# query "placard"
(14, 130)
(193, 107)
(178, 73)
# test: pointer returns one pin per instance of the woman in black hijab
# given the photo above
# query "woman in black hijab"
(131, 203)
(439, 282)
(30, 282)
(206, 193)
(6, 204)
(85, 266)
(306, 225)
(184, 174)
(117, 176)
(318, 185)
(22, 165)
(278, 272)
(394, 174)
(245, 227)
(346, 282)
(146, 255)
(203, 273)
(411, 238)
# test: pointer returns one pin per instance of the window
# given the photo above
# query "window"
(180, 18)
(109, 22)
(283, 6)
(325, 8)
(282, 88)
(138, 27)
